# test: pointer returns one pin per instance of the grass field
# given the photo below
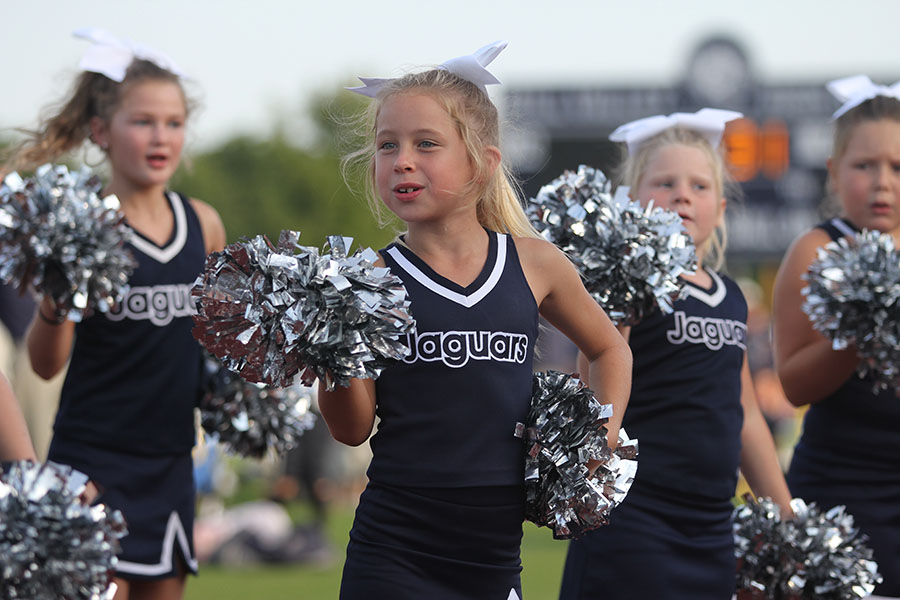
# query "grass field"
(542, 557)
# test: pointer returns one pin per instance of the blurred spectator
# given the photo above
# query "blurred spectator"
(254, 533)
(309, 471)
(780, 414)
(38, 398)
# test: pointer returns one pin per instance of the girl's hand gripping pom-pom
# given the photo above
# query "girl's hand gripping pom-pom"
(853, 298)
(629, 257)
(271, 312)
(565, 430)
(53, 542)
(250, 419)
(814, 555)
(61, 240)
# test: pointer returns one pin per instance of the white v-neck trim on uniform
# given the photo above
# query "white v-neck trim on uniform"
(166, 254)
(713, 299)
(843, 227)
(464, 300)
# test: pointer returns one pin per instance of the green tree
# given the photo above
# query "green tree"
(261, 186)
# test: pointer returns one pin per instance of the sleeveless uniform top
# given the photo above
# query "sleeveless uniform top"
(685, 405)
(448, 411)
(134, 376)
(853, 433)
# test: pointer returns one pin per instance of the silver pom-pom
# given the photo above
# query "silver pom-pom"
(853, 298)
(61, 240)
(54, 544)
(816, 555)
(270, 312)
(629, 257)
(251, 419)
(564, 431)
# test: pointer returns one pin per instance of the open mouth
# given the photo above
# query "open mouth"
(157, 160)
(407, 189)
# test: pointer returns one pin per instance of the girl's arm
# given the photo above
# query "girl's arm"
(565, 303)
(15, 444)
(807, 366)
(759, 460)
(349, 412)
(581, 361)
(49, 343)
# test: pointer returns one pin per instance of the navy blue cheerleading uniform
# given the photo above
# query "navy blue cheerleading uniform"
(849, 453)
(671, 537)
(442, 514)
(126, 412)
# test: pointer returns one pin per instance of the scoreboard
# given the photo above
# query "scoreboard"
(777, 152)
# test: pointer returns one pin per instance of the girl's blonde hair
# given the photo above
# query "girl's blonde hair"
(93, 95)
(635, 165)
(477, 123)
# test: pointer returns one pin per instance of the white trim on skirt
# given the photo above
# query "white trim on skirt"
(173, 527)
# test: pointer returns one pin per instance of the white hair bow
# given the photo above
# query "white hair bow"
(708, 122)
(111, 56)
(856, 89)
(470, 67)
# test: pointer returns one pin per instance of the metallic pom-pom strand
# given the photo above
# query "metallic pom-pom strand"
(629, 257)
(853, 298)
(564, 431)
(815, 555)
(59, 239)
(252, 419)
(54, 544)
(271, 312)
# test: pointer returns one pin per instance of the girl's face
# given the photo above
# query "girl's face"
(866, 177)
(422, 169)
(680, 178)
(144, 137)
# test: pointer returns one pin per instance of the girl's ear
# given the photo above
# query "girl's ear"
(723, 203)
(492, 156)
(99, 132)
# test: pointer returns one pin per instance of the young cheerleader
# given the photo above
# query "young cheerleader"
(442, 514)
(692, 405)
(849, 452)
(126, 412)
(15, 444)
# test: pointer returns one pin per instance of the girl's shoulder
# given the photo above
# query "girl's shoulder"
(805, 247)
(799, 256)
(211, 225)
(538, 251)
(547, 269)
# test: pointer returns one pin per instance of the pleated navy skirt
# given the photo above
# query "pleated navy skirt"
(155, 494)
(414, 543)
(873, 501)
(660, 545)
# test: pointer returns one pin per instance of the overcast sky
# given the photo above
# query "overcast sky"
(254, 59)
